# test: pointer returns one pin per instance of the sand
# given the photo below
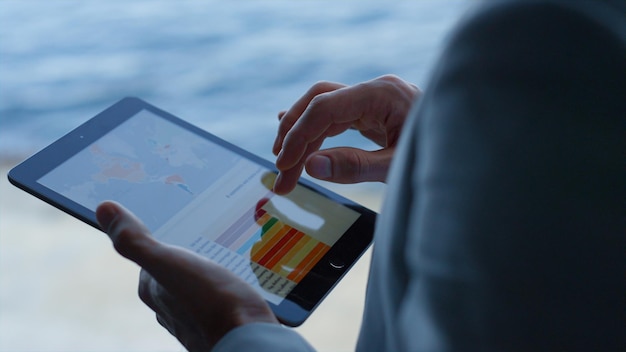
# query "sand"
(63, 287)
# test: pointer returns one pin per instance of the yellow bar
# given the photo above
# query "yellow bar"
(268, 240)
(319, 250)
(295, 261)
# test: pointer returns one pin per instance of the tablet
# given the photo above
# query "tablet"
(195, 190)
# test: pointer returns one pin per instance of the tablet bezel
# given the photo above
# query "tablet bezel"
(309, 292)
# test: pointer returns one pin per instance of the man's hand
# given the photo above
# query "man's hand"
(377, 108)
(195, 299)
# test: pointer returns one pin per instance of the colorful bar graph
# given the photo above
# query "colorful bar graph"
(273, 244)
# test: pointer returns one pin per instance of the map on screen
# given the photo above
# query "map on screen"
(144, 161)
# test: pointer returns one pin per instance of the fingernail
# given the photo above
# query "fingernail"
(277, 181)
(275, 147)
(319, 166)
(279, 158)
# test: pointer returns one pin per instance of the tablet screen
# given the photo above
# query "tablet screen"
(197, 194)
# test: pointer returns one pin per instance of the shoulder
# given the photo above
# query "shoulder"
(534, 46)
(533, 31)
(547, 16)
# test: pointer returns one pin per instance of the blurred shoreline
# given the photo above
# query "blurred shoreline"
(61, 282)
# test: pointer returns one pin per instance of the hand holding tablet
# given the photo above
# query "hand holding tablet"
(196, 191)
(194, 298)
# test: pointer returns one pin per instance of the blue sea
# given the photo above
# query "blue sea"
(228, 67)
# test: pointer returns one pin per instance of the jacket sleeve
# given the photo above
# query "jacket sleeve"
(263, 337)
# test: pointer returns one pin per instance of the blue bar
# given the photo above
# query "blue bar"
(250, 242)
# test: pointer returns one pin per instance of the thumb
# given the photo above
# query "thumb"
(167, 264)
(129, 235)
(349, 165)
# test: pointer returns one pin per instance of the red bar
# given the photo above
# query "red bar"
(258, 253)
(281, 253)
(277, 247)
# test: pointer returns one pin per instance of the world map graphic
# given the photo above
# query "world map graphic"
(150, 165)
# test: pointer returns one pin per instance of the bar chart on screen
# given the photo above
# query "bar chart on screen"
(273, 244)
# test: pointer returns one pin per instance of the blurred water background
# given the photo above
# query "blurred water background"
(227, 66)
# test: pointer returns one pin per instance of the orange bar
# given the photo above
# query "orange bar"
(291, 255)
(281, 243)
(283, 251)
(302, 264)
(320, 253)
(297, 274)
(266, 243)
(323, 248)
